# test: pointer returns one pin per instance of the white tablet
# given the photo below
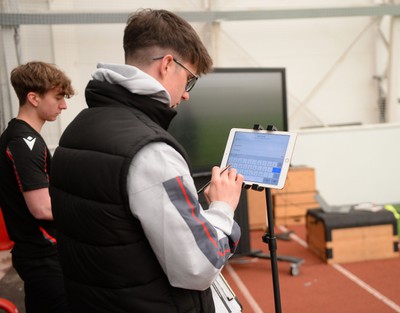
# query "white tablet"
(261, 156)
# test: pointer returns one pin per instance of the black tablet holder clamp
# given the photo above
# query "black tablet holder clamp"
(270, 238)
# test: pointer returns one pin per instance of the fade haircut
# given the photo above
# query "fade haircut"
(39, 77)
(148, 30)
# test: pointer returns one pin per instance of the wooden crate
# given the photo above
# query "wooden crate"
(257, 209)
(291, 208)
(294, 198)
(290, 203)
(290, 220)
(299, 179)
(350, 237)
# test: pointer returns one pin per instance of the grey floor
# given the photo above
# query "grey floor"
(11, 286)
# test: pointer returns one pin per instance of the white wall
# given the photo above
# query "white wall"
(353, 164)
(329, 71)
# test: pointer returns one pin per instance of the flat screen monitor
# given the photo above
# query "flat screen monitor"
(224, 99)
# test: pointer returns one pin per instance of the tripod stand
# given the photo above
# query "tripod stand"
(270, 239)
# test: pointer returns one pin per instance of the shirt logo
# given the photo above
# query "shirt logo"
(30, 141)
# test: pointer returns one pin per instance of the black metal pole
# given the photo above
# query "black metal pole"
(270, 239)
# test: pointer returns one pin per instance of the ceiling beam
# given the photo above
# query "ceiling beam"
(13, 19)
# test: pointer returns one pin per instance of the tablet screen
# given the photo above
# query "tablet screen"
(262, 157)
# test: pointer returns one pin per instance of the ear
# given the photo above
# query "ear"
(33, 98)
(166, 63)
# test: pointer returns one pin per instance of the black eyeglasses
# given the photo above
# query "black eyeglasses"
(191, 81)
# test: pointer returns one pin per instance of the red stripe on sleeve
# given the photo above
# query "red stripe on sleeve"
(9, 154)
(47, 236)
(193, 212)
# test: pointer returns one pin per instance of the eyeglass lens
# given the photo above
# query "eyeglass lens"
(190, 84)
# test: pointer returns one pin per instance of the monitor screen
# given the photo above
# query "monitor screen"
(224, 99)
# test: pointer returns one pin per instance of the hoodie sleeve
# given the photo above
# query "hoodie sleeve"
(191, 244)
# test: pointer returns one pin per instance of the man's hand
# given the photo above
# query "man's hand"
(225, 187)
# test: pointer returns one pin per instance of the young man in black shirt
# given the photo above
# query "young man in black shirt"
(25, 163)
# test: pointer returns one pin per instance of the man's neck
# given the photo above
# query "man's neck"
(31, 119)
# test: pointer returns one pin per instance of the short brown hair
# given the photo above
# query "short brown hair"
(162, 29)
(39, 77)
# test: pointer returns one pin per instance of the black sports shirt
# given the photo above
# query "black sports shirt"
(24, 166)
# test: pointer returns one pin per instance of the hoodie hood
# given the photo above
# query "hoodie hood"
(132, 79)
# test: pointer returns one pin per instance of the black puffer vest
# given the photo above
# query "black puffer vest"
(107, 261)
